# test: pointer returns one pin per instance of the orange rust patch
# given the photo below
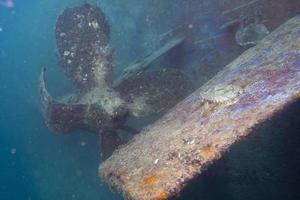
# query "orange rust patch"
(208, 151)
(162, 196)
(150, 180)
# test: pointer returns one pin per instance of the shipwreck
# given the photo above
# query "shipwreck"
(165, 156)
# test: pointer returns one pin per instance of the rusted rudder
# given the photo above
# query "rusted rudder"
(165, 156)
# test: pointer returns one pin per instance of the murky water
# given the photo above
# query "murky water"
(37, 164)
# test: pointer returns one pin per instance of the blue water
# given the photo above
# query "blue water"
(34, 163)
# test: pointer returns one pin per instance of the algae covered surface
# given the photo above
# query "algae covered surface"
(36, 164)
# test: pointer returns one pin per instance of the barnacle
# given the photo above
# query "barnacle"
(221, 93)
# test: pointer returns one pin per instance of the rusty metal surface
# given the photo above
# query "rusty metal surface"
(165, 156)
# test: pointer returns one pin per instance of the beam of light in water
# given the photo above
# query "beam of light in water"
(7, 3)
(239, 7)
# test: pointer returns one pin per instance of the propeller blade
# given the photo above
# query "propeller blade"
(155, 92)
(60, 117)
